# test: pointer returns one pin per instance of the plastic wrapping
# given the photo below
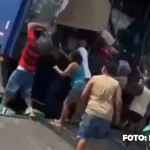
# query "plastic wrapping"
(44, 10)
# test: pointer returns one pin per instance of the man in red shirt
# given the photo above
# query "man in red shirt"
(23, 76)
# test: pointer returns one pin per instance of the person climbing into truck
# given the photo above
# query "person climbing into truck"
(101, 99)
(76, 72)
(23, 76)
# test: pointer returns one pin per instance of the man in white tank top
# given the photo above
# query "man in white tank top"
(141, 100)
(138, 114)
(84, 54)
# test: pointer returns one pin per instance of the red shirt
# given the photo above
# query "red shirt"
(30, 55)
(107, 51)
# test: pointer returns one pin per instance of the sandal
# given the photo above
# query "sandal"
(56, 124)
(31, 115)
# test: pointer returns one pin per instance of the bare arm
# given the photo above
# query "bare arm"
(118, 105)
(36, 25)
(85, 96)
(67, 71)
(62, 7)
(65, 54)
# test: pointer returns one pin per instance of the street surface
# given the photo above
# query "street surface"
(112, 142)
(23, 134)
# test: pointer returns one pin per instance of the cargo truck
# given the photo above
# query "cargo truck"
(18, 132)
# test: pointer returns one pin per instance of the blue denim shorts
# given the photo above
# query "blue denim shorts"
(22, 81)
(93, 127)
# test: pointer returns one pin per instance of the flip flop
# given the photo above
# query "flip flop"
(31, 115)
(56, 124)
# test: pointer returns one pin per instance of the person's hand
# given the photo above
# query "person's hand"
(60, 48)
(55, 67)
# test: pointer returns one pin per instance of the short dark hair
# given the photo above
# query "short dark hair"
(111, 69)
(135, 89)
(76, 56)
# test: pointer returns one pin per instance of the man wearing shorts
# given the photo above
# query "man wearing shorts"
(23, 76)
(101, 94)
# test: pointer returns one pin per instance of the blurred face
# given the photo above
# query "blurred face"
(55, 54)
(135, 90)
(72, 44)
(70, 57)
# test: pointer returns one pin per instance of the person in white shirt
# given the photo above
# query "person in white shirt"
(138, 109)
(84, 54)
(141, 101)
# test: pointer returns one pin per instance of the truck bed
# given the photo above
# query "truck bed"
(17, 134)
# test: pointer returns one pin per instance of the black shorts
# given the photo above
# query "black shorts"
(134, 117)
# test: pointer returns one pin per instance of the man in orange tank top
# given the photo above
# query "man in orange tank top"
(100, 95)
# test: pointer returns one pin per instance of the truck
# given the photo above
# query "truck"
(18, 132)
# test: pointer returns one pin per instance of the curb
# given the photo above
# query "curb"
(14, 116)
(64, 133)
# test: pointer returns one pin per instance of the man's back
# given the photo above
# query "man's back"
(101, 97)
(140, 103)
(85, 63)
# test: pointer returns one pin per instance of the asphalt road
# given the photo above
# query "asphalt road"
(25, 134)
(112, 142)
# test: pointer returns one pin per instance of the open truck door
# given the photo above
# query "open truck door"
(30, 135)
(12, 15)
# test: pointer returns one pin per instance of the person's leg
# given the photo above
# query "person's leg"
(70, 99)
(74, 98)
(65, 112)
(27, 91)
(28, 101)
(64, 115)
(81, 144)
(91, 127)
(79, 111)
(84, 133)
(12, 87)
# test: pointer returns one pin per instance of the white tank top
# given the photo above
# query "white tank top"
(140, 103)
(85, 62)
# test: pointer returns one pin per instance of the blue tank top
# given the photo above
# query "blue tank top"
(77, 76)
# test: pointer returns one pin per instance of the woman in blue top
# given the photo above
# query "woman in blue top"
(76, 72)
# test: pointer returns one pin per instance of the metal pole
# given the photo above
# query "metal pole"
(145, 35)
